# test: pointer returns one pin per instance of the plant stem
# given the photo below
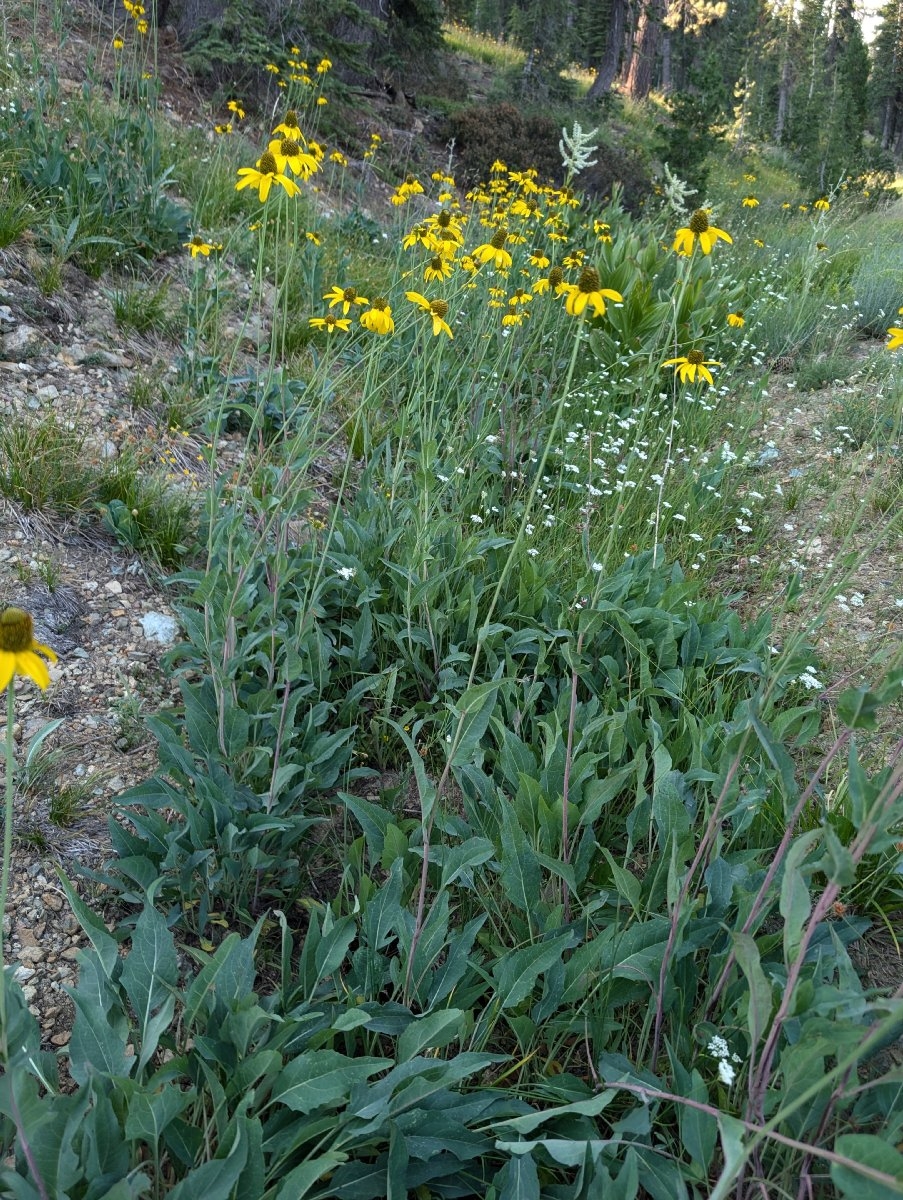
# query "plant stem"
(7, 854)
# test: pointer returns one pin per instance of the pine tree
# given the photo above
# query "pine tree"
(887, 77)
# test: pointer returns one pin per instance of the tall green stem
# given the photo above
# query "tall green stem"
(7, 854)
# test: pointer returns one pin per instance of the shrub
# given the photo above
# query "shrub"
(485, 132)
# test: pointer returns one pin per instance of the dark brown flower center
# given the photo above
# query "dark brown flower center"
(696, 357)
(556, 276)
(589, 280)
(380, 304)
(438, 308)
(350, 295)
(268, 164)
(498, 239)
(289, 148)
(699, 222)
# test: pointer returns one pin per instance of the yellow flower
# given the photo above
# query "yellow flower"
(263, 176)
(589, 291)
(690, 364)
(750, 178)
(18, 649)
(224, 128)
(288, 153)
(142, 26)
(272, 68)
(520, 297)
(822, 205)
(804, 207)
(118, 43)
(197, 246)
(338, 157)
(750, 202)
(438, 310)
(235, 107)
(896, 338)
(330, 323)
(821, 246)
(700, 228)
(421, 235)
(321, 100)
(437, 269)
(323, 66)
(344, 296)
(538, 258)
(494, 251)
(736, 319)
(378, 319)
(758, 242)
(312, 237)
(786, 204)
(290, 127)
(513, 317)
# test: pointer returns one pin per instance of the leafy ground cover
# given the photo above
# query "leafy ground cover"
(519, 820)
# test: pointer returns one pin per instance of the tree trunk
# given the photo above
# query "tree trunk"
(786, 81)
(645, 49)
(611, 59)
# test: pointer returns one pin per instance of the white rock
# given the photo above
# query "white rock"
(114, 587)
(160, 628)
(22, 339)
(22, 974)
(48, 392)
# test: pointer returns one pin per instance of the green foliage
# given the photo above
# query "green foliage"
(42, 464)
(486, 132)
(690, 134)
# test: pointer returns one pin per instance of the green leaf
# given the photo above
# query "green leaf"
(517, 971)
(758, 1006)
(150, 973)
(463, 857)
(105, 945)
(215, 1180)
(151, 1112)
(858, 708)
(732, 1133)
(322, 1077)
(476, 706)
(795, 904)
(875, 1171)
(434, 1030)
(518, 1179)
(298, 1182)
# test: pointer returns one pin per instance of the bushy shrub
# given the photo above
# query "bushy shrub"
(485, 132)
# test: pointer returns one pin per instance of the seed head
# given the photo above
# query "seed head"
(439, 308)
(589, 280)
(16, 630)
(699, 222)
(268, 164)
(696, 357)
(498, 239)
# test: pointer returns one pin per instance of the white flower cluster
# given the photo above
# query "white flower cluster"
(718, 1048)
(576, 147)
(676, 192)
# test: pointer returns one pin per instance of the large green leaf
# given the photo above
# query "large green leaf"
(322, 1077)
(516, 973)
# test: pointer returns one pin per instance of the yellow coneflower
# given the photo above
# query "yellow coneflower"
(346, 297)
(437, 269)
(378, 319)
(750, 202)
(330, 323)
(235, 107)
(588, 292)
(197, 246)
(494, 251)
(691, 364)
(264, 175)
(699, 229)
(437, 309)
(736, 319)
(19, 651)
